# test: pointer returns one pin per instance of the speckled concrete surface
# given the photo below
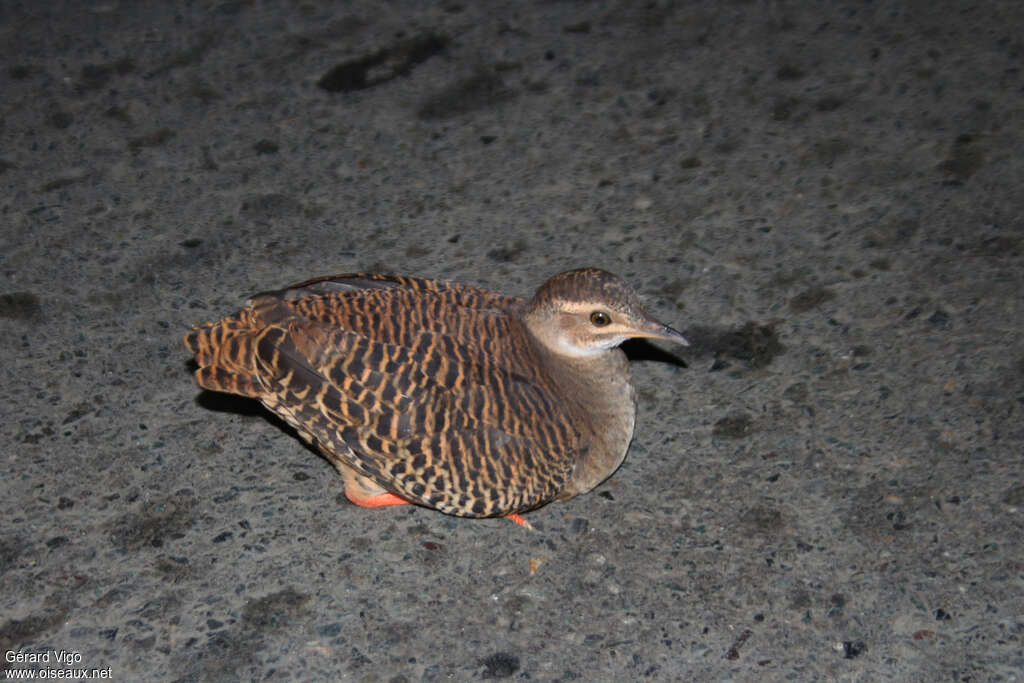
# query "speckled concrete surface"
(824, 196)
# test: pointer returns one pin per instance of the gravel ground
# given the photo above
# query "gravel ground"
(826, 486)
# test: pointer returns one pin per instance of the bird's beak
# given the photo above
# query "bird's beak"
(652, 329)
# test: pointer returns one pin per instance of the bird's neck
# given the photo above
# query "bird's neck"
(601, 396)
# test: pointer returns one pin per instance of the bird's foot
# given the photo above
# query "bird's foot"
(518, 519)
(378, 500)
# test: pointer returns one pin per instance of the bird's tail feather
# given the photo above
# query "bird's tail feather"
(225, 352)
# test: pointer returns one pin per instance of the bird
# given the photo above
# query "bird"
(440, 394)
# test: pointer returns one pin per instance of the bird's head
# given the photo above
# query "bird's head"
(584, 312)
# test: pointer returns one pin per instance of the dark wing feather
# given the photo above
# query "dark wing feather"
(456, 293)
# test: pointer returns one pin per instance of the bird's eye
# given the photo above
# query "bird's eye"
(600, 318)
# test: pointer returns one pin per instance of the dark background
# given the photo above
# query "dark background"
(825, 197)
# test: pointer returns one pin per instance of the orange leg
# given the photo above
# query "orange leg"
(518, 519)
(366, 493)
(376, 501)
